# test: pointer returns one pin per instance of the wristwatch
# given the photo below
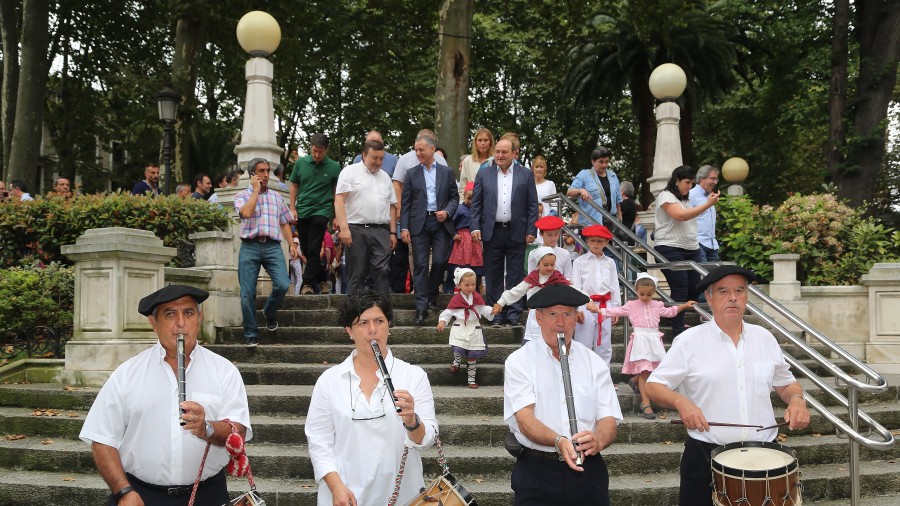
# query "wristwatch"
(121, 493)
(210, 430)
(414, 426)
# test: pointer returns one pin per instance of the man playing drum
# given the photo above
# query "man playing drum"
(724, 370)
(546, 472)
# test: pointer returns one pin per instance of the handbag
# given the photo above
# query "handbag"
(238, 465)
(445, 490)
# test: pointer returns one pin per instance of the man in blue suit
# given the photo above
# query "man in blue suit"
(504, 209)
(429, 201)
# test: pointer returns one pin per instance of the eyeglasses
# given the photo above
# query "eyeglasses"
(373, 416)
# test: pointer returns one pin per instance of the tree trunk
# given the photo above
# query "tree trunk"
(646, 135)
(837, 88)
(32, 93)
(686, 132)
(190, 36)
(451, 122)
(9, 33)
(879, 48)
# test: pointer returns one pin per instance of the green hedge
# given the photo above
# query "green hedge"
(36, 296)
(837, 244)
(37, 230)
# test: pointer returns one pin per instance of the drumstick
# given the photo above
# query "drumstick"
(782, 424)
(721, 424)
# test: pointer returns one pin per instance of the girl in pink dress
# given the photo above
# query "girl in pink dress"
(645, 348)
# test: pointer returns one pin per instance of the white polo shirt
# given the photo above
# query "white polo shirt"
(369, 196)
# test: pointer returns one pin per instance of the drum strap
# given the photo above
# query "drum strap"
(441, 459)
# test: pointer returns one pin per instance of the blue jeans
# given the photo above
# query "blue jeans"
(708, 254)
(682, 283)
(252, 256)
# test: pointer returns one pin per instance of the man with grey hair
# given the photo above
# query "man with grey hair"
(429, 201)
(706, 179)
(265, 221)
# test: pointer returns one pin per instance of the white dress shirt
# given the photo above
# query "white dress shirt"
(137, 412)
(730, 384)
(504, 194)
(533, 376)
(366, 453)
(592, 275)
(369, 196)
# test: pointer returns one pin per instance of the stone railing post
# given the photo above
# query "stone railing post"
(786, 289)
(883, 347)
(214, 253)
(114, 269)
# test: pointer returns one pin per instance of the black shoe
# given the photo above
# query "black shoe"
(420, 317)
(251, 341)
(271, 324)
(496, 323)
(432, 306)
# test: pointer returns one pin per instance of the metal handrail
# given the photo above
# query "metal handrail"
(874, 383)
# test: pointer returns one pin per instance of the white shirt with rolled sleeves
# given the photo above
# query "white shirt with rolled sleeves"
(533, 376)
(366, 453)
(369, 196)
(596, 275)
(730, 384)
(137, 412)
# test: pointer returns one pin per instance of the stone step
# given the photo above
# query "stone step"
(827, 484)
(337, 335)
(335, 354)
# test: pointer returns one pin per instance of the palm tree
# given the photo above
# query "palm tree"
(632, 39)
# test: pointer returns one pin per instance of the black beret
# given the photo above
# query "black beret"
(168, 294)
(723, 271)
(558, 295)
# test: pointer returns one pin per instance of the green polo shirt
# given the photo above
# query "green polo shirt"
(316, 181)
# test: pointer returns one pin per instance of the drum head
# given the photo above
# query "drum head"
(753, 459)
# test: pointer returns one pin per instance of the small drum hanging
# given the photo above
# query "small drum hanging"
(444, 491)
(755, 474)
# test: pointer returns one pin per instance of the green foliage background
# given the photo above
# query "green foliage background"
(35, 295)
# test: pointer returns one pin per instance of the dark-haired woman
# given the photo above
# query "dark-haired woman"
(356, 436)
(676, 235)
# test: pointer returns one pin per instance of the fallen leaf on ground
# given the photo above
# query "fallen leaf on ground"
(47, 441)
(816, 434)
(782, 438)
(15, 437)
(68, 478)
(69, 388)
(479, 480)
(667, 442)
(72, 414)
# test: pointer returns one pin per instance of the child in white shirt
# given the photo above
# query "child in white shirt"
(595, 274)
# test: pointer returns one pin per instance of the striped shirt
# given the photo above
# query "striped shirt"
(271, 212)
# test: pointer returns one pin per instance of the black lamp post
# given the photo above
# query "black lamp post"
(167, 100)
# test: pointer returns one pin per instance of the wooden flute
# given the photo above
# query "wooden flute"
(384, 371)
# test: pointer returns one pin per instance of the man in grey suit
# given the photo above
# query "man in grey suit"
(429, 201)
(504, 209)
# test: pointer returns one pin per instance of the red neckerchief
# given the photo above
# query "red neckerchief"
(601, 299)
(556, 278)
(458, 302)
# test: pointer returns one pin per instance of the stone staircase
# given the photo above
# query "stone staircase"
(43, 462)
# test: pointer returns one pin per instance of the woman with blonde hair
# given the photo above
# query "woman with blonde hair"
(482, 149)
(544, 186)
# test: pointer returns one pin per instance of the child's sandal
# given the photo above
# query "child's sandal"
(649, 416)
(473, 385)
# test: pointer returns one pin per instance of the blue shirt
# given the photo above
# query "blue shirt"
(588, 180)
(706, 222)
(430, 173)
(390, 161)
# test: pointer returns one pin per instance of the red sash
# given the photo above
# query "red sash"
(556, 278)
(601, 300)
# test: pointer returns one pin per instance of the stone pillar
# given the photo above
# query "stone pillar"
(258, 132)
(114, 269)
(668, 146)
(785, 289)
(883, 347)
(215, 255)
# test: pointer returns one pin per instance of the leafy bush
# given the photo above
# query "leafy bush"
(35, 295)
(835, 242)
(37, 230)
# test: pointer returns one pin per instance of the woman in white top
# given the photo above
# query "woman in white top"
(356, 432)
(544, 186)
(482, 149)
(676, 236)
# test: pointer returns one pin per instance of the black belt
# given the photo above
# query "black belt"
(502, 224)
(178, 489)
(545, 455)
(371, 225)
(259, 238)
(707, 447)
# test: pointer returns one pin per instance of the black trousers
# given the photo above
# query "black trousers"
(211, 492)
(681, 283)
(537, 481)
(504, 254)
(696, 474)
(399, 267)
(311, 233)
(435, 242)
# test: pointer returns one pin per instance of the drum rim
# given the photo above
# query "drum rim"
(466, 496)
(767, 473)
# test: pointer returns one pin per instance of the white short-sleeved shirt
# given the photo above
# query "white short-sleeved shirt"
(543, 190)
(533, 376)
(137, 413)
(730, 384)
(409, 160)
(672, 232)
(369, 196)
(366, 453)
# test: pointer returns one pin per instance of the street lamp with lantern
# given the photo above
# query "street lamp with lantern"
(735, 171)
(259, 35)
(667, 83)
(167, 101)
